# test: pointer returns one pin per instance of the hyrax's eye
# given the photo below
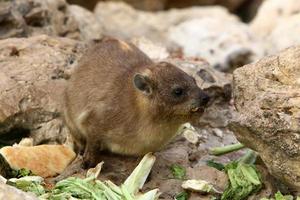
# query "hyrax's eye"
(178, 92)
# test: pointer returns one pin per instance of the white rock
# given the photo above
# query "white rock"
(285, 34)
(153, 50)
(220, 42)
(270, 13)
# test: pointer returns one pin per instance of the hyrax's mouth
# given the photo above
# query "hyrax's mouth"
(197, 110)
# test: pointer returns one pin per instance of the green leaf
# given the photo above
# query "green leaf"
(218, 151)
(28, 184)
(279, 196)
(182, 196)
(218, 166)
(243, 181)
(139, 175)
(178, 171)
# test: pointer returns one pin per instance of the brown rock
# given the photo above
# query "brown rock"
(211, 175)
(267, 99)
(197, 196)
(24, 18)
(32, 78)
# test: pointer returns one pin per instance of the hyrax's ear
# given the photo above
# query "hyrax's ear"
(142, 83)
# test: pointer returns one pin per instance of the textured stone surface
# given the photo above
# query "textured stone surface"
(24, 18)
(33, 72)
(267, 99)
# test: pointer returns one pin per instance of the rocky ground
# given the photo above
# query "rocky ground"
(251, 76)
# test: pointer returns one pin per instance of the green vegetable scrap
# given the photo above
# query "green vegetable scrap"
(28, 184)
(279, 196)
(77, 188)
(178, 171)
(182, 196)
(244, 179)
(92, 189)
(21, 173)
(217, 151)
(218, 166)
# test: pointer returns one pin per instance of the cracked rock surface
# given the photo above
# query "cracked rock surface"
(33, 72)
(267, 99)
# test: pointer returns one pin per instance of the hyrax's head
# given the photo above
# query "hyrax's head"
(169, 91)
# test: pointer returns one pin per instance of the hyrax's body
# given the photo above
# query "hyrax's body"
(119, 100)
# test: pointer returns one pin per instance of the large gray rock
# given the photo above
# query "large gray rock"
(267, 99)
(24, 18)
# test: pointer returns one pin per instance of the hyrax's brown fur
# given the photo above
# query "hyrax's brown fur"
(119, 100)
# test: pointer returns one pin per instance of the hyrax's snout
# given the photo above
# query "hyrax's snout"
(203, 98)
(200, 101)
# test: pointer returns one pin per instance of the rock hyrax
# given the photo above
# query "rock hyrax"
(119, 100)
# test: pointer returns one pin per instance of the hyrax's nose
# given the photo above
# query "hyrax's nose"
(204, 98)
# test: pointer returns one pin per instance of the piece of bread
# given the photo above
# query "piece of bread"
(42, 160)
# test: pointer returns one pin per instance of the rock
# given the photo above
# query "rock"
(285, 34)
(24, 18)
(32, 78)
(248, 10)
(213, 176)
(270, 13)
(88, 25)
(42, 160)
(267, 99)
(155, 5)
(225, 44)
(154, 51)
(229, 4)
(277, 24)
(122, 20)
(197, 196)
(11, 193)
